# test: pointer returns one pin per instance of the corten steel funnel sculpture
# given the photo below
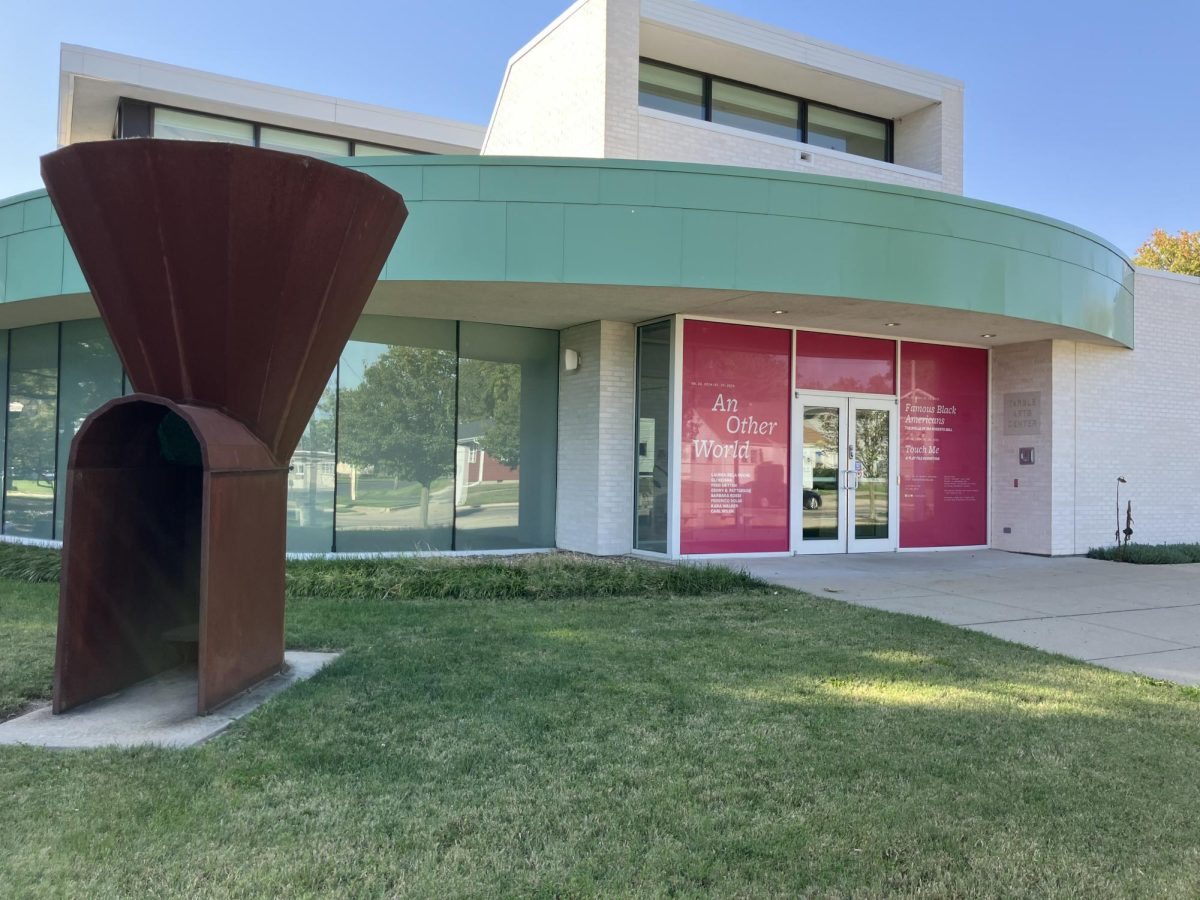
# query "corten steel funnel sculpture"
(230, 279)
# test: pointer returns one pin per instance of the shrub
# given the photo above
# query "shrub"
(1149, 554)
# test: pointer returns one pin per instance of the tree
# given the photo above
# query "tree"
(400, 418)
(1179, 253)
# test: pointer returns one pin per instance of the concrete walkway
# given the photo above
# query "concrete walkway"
(1142, 619)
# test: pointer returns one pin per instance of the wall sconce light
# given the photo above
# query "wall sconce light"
(570, 360)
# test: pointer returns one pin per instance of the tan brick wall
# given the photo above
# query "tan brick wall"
(1026, 508)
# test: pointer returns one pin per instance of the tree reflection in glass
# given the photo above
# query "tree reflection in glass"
(396, 447)
(488, 480)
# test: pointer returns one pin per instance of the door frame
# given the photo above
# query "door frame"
(845, 542)
(891, 542)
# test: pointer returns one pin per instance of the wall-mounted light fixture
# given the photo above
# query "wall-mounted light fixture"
(570, 360)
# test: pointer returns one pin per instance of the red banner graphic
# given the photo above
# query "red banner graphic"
(736, 426)
(943, 445)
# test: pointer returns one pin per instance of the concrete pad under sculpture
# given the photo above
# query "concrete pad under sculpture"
(156, 712)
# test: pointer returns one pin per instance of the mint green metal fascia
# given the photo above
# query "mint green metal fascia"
(625, 222)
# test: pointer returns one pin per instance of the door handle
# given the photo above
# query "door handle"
(851, 480)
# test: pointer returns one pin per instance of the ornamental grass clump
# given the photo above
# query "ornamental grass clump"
(533, 577)
(542, 576)
(23, 562)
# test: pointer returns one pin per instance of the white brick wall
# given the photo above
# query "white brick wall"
(596, 440)
(1137, 414)
(676, 139)
(952, 140)
(621, 79)
(573, 91)
(552, 100)
(918, 139)
(1108, 412)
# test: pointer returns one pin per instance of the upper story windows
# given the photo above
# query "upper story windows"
(137, 119)
(696, 95)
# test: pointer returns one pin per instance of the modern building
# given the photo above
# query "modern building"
(701, 286)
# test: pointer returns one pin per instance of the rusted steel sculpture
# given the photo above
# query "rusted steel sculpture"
(229, 279)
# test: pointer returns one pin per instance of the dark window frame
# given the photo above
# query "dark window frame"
(707, 80)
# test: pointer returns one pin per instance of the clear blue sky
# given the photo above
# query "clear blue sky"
(1085, 111)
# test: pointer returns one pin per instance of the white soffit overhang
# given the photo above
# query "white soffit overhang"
(559, 306)
(720, 43)
(92, 81)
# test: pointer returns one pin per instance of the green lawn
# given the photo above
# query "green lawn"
(743, 744)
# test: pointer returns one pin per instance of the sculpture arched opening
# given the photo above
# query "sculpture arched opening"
(155, 492)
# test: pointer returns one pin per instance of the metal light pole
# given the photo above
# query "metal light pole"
(1120, 481)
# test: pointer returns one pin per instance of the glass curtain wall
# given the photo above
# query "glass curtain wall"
(32, 422)
(312, 477)
(431, 435)
(653, 436)
(89, 376)
(397, 394)
(506, 446)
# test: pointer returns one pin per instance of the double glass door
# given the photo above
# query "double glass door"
(844, 486)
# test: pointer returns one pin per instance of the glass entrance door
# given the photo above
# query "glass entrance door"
(844, 465)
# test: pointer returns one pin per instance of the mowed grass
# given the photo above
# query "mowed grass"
(752, 743)
(28, 620)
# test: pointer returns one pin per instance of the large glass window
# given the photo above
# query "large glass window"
(178, 124)
(848, 132)
(397, 392)
(32, 411)
(671, 90)
(653, 436)
(701, 96)
(755, 110)
(175, 124)
(89, 376)
(317, 145)
(507, 437)
(361, 149)
(312, 478)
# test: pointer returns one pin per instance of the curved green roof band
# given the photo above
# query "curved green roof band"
(624, 222)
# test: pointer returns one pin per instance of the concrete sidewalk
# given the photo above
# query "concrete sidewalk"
(1142, 619)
